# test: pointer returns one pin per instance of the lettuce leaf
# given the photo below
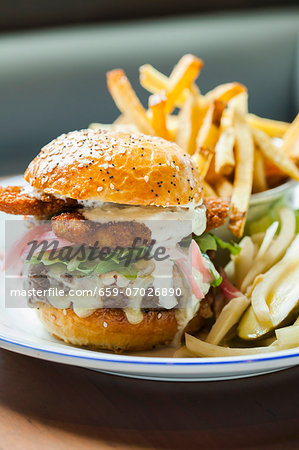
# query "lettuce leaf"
(209, 241)
(86, 266)
(206, 242)
(232, 246)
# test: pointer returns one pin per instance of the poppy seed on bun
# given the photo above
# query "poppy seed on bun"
(116, 167)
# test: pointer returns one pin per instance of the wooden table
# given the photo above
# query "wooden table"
(53, 406)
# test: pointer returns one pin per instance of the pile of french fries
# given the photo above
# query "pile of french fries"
(236, 152)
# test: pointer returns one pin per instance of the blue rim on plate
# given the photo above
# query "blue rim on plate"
(149, 360)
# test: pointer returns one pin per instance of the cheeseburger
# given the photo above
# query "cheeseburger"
(123, 214)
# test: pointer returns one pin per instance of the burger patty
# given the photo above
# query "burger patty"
(40, 279)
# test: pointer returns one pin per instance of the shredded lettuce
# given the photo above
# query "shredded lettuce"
(85, 266)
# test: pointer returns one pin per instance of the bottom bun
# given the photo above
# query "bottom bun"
(109, 329)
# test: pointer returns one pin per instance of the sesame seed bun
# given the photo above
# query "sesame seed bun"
(116, 167)
(109, 329)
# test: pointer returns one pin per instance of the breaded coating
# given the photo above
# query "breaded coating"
(217, 211)
(75, 228)
(13, 200)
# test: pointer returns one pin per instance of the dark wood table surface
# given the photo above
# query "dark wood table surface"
(55, 406)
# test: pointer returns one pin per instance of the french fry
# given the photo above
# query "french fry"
(215, 129)
(224, 152)
(208, 136)
(243, 174)
(182, 77)
(274, 175)
(211, 176)
(273, 128)
(226, 119)
(189, 122)
(208, 191)
(127, 101)
(259, 176)
(223, 187)
(225, 92)
(239, 102)
(275, 154)
(291, 140)
(157, 104)
(172, 126)
(154, 81)
(272, 170)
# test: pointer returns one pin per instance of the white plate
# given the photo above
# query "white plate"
(21, 332)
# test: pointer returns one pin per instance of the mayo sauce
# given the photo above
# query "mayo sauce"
(168, 226)
(113, 212)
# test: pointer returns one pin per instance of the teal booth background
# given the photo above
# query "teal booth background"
(53, 81)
